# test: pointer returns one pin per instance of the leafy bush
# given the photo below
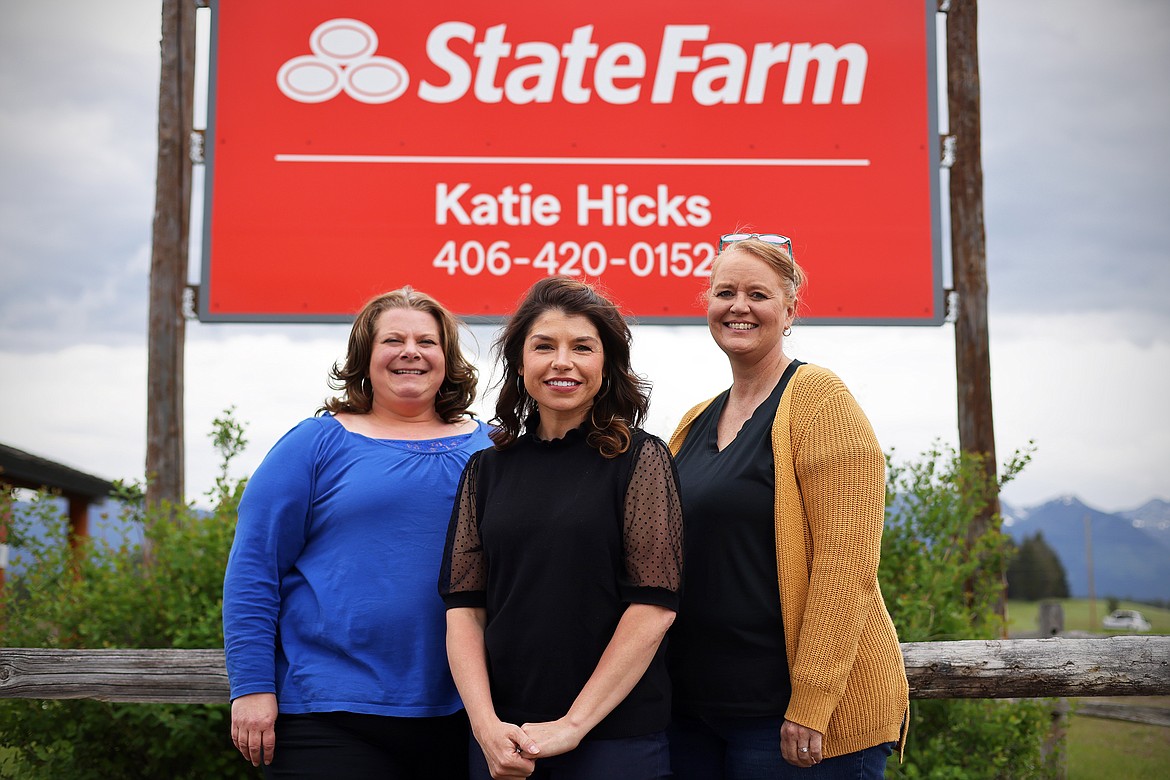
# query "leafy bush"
(95, 594)
(942, 584)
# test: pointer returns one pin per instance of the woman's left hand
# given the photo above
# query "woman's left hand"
(554, 737)
(800, 746)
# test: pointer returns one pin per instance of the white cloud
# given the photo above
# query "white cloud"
(83, 406)
(1094, 404)
(1077, 171)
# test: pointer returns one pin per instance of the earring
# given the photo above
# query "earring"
(788, 331)
(605, 386)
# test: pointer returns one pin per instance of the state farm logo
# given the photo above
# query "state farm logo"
(577, 70)
(343, 59)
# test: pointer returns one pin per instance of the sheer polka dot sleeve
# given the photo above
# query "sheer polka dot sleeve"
(463, 576)
(652, 528)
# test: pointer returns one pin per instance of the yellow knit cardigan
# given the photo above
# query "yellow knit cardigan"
(848, 677)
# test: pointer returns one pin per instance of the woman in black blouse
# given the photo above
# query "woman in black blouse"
(563, 560)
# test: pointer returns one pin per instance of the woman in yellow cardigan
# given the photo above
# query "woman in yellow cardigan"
(784, 660)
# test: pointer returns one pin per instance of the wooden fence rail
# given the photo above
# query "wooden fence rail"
(972, 669)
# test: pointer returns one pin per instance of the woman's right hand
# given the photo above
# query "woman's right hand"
(507, 749)
(800, 745)
(254, 726)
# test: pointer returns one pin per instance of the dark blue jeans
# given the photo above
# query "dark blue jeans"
(727, 748)
(633, 758)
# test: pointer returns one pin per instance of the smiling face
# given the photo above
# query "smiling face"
(747, 308)
(563, 365)
(406, 362)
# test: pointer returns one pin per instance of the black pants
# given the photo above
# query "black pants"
(336, 745)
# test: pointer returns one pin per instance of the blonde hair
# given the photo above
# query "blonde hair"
(792, 276)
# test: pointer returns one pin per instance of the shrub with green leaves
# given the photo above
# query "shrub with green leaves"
(97, 594)
(940, 583)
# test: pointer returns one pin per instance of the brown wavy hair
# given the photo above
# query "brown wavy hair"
(352, 376)
(624, 398)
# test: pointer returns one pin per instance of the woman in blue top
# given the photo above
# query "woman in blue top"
(333, 632)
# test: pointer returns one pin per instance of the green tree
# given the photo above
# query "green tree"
(1035, 572)
(940, 585)
(105, 595)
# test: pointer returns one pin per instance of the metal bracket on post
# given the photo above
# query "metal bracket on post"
(947, 144)
(191, 302)
(196, 147)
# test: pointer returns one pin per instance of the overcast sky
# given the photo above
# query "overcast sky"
(1076, 117)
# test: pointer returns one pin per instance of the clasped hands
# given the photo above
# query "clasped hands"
(511, 751)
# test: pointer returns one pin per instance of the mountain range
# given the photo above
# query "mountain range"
(1130, 550)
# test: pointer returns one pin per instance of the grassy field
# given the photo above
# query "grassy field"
(1022, 616)
(1099, 749)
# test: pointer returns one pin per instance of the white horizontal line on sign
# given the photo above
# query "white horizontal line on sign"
(741, 161)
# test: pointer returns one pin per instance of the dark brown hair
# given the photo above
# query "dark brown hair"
(624, 398)
(352, 377)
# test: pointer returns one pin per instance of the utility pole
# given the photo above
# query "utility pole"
(968, 244)
(1089, 567)
(969, 255)
(168, 263)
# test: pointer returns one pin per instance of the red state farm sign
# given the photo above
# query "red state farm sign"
(467, 148)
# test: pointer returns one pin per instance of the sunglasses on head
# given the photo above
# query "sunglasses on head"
(767, 238)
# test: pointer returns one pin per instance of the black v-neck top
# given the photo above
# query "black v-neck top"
(727, 653)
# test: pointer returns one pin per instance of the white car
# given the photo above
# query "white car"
(1126, 620)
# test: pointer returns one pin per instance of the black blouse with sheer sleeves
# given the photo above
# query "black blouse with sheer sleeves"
(555, 541)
